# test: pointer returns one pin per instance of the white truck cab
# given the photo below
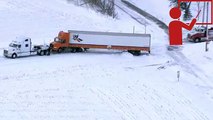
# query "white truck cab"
(22, 46)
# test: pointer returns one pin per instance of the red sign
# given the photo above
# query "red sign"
(175, 27)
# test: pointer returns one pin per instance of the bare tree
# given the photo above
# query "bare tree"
(185, 7)
(106, 7)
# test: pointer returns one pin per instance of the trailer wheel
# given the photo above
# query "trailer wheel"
(135, 52)
(14, 56)
(86, 49)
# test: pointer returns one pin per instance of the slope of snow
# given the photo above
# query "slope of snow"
(159, 9)
(98, 84)
(44, 19)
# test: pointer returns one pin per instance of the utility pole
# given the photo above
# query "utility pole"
(207, 30)
(133, 29)
(198, 7)
(204, 9)
(178, 75)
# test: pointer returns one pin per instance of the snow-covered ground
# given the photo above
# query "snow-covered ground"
(42, 20)
(156, 8)
(99, 84)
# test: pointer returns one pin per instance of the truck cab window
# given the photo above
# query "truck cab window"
(63, 41)
(59, 40)
(13, 45)
(56, 39)
(19, 46)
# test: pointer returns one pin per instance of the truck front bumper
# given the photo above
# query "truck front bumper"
(190, 39)
(6, 54)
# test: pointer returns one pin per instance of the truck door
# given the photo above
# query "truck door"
(26, 47)
(19, 52)
(211, 34)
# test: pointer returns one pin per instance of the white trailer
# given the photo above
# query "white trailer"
(22, 46)
(134, 43)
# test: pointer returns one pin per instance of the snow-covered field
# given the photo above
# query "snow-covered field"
(99, 84)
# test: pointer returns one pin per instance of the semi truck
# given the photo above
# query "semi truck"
(200, 35)
(22, 46)
(79, 41)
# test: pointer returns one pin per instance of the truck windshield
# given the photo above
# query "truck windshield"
(200, 29)
(59, 40)
(13, 45)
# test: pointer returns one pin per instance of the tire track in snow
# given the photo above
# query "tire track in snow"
(118, 105)
(185, 63)
(153, 100)
(181, 99)
(150, 104)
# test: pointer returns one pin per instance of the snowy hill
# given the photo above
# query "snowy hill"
(158, 9)
(100, 85)
(44, 19)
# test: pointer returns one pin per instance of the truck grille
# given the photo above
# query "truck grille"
(5, 52)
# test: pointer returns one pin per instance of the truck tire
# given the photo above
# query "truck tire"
(42, 53)
(135, 52)
(196, 40)
(86, 49)
(60, 50)
(14, 56)
(80, 50)
(73, 50)
(47, 52)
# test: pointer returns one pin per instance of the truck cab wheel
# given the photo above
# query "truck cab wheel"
(80, 50)
(42, 53)
(196, 40)
(47, 52)
(60, 50)
(14, 56)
